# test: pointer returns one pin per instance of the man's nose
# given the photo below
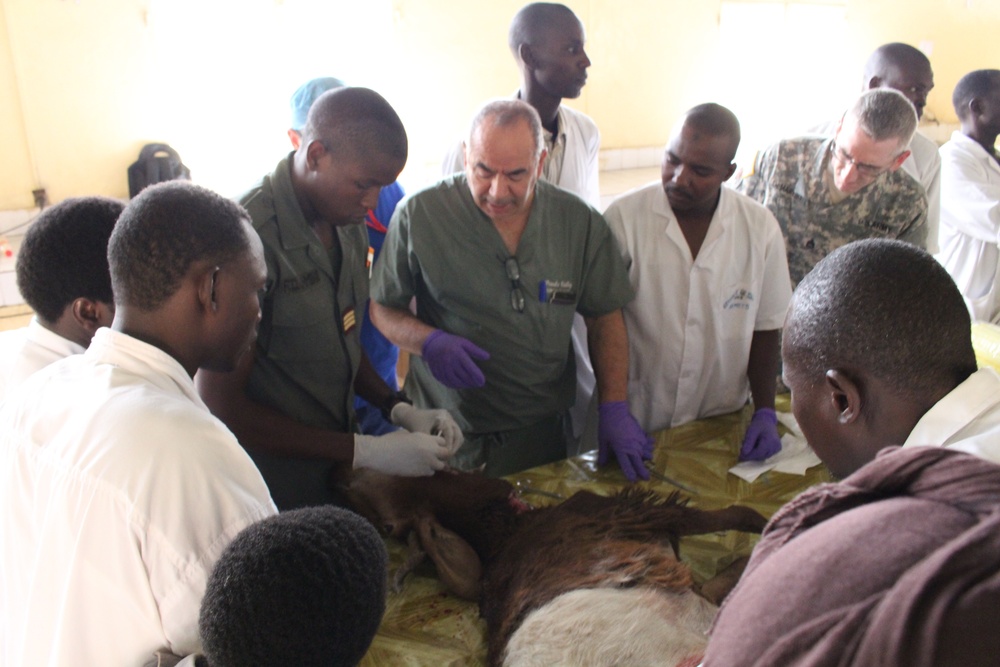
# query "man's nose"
(850, 171)
(584, 62)
(498, 186)
(681, 175)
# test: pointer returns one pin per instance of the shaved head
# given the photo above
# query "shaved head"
(531, 24)
(981, 83)
(717, 121)
(885, 307)
(353, 121)
(895, 55)
(903, 68)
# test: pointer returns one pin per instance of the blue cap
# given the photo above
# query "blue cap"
(303, 98)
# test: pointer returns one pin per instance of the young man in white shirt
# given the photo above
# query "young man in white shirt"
(62, 273)
(118, 488)
(970, 199)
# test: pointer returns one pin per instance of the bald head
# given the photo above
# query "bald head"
(715, 120)
(507, 113)
(532, 24)
(355, 121)
(901, 67)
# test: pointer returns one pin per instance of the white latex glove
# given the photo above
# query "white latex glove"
(435, 422)
(401, 453)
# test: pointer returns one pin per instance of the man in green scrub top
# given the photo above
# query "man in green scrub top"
(499, 262)
(291, 403)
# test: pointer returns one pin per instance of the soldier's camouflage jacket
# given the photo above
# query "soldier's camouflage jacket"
(787, 178)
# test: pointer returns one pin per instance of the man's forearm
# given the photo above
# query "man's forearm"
(762, 367)
(369, 385)
(400, 326)
(262, 428)
(608, 344)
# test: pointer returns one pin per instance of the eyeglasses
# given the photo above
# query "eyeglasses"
(516, 290)
(864, 170)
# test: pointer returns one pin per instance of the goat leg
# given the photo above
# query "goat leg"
(415, 555)
(718, 587)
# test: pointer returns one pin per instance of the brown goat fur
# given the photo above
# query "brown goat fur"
(529, 558)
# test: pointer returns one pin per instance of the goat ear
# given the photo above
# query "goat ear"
(458, 566)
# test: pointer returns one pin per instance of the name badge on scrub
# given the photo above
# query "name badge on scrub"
(558, 292)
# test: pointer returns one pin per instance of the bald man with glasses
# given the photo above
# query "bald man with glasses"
(498, 262)
(827, 192)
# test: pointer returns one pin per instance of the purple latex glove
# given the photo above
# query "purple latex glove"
(450, 359)
(762, 440)
(619, 432)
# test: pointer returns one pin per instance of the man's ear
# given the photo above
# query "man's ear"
(730, 171)
(541, 163)
(976, 107)
(91, 315)
(207, 289)
(845, 396)
(314, 151)
(900, 159)
(526, 55)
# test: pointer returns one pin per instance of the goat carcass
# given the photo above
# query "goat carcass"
(592, 581)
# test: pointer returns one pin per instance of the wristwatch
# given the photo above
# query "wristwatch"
(390, 402)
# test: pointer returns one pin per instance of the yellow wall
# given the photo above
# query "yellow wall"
(16, 169)
(76, 101)
(78, 68)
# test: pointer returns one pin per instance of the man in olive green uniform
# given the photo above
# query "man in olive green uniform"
(290, 404)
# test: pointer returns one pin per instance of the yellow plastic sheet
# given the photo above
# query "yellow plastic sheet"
(986, 343)
(424, 625)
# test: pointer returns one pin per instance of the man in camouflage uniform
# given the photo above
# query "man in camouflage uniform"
(826, 192)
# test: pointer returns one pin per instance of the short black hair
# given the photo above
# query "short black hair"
(64, 255)
(356, 121)
(304, 588)
(976, 84)
(162, 231)
(883, 307)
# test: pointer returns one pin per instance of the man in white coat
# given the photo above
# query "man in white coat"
(970, 194)
(547, 41)
(62, 273)
(118, 488)
(710, 273)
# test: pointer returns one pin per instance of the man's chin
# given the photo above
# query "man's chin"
(679, 202)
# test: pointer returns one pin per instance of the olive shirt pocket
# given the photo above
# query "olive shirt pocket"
(303, 323)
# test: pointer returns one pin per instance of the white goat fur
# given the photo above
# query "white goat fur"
(601, 627)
